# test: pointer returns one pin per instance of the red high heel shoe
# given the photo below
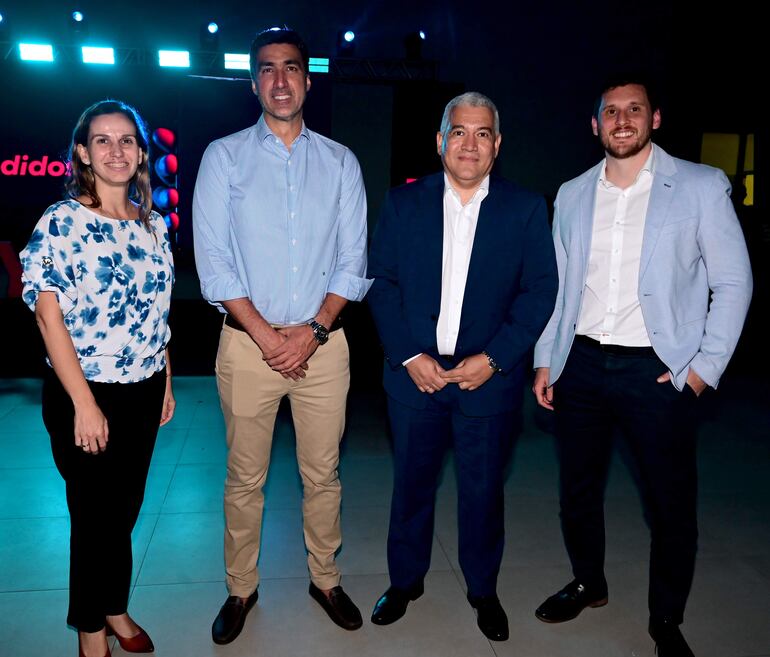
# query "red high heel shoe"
(139, 643)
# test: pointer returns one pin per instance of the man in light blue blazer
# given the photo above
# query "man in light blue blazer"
(654, 286)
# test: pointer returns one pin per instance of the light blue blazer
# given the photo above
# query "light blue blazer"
(692, 248)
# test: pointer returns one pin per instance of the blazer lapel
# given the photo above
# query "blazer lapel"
(483, 242)
(429, 240)
(661, 195)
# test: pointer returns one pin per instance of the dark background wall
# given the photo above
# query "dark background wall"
(540, 62)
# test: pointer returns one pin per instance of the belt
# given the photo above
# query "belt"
(235, 324)
(615, 349)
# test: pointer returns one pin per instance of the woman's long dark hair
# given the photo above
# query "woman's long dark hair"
(81, 180)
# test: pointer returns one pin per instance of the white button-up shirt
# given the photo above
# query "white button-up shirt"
(611, 312)
(459, 230)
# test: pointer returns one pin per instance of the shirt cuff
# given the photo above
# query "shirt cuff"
(349, 286)
(223, 288)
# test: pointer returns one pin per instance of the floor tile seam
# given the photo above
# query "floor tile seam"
(33, 590)
(175, 467)
(65, 515)
(184, 444)
(146, 549)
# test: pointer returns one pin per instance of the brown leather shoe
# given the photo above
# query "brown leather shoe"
(138, 643)
(339, 606)
(231, 617)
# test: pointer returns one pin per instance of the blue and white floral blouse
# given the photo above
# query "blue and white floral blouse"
(113, 280)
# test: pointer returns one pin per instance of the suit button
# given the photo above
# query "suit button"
(434, 317)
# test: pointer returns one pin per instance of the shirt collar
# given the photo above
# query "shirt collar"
(648, 168)
(264, 131)
(448, 189)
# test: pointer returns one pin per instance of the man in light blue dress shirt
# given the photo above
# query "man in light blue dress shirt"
(279, 217)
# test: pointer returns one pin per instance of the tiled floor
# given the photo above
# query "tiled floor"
(178, 544)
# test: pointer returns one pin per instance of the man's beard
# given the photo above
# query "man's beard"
(630, 149)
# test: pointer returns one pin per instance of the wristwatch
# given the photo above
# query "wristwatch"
(320, 332)
(492, 362)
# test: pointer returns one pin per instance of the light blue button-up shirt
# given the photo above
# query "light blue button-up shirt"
(281, 227)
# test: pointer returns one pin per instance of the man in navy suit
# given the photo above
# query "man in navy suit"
(464, 282)
(654, 287)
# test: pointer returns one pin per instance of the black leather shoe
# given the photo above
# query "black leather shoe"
(669, 641)
(229, 622)
(569, 602)
(392, 604)
(339, 606)
(490, 617)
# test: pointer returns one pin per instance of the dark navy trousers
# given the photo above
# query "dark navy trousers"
(604, 390)
(481, 449)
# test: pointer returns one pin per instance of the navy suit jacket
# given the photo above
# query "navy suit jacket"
(509, 294)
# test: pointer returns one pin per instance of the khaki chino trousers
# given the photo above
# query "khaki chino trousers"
(250, 393)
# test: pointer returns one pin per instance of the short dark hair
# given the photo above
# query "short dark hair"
(624, 79)
(276, 35)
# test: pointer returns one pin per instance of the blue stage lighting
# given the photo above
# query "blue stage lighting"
(78, 16)
(422, 34)
(212, 27)
(238, 61)
(349, 36)
(92, 55)
(175, 58)
(36, 52)
(318, 65)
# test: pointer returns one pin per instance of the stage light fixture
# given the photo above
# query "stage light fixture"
(78, 23)
(174, 58)
(346, 43)
(5, 28)
(422, 34)
(209, 36)
(36, 52)
(237, 61)
(318, 65)
(93, 55)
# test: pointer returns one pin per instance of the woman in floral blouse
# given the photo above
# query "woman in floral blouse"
(98, 273)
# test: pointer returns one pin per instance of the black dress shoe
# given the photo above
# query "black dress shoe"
(392, 604)
(339, 606)
(569, 602)
(490, 617)
(669, 641)
(229, 622)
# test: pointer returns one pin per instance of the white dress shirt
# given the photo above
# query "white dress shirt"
(611, 313)
(459, 230)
